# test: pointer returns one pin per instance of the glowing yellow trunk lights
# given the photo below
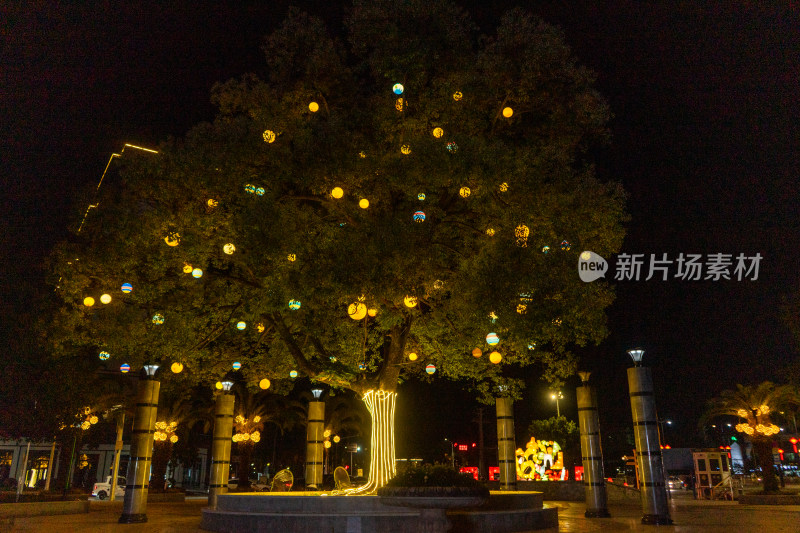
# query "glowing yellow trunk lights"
(381, 405)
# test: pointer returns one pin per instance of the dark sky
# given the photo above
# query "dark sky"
(705, 140)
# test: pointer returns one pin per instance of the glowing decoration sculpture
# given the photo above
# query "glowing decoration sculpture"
(269, 136)
(126, 288)
(229, 248)
(757, 422)
(399, 104)
(421, 196)
(187, 268)
(493, 317)
(293, 374)
(104, 356)
(260, 327)
(313, 107)
(362, 154)
(405, 149)
(363, 203)
(556, 321)
(212, 203)
(381, 407)
(412, 356)
(398, 88)
(492, 339)
(158, 319)
(218, 385)
(477, 352)
(490, 232)
(495, 357)
(503, 187)
(507, 112)
(294, 305)
(410, 301)
(260, 191)
(292, 258)
(237, 365)
(541, 459)
(521, 233)
(264, 384)
(545, 249)
(457, 96)
(464, 192)
(362, 366)
(197, 273)
(173, 239)
(438, 284)
(105, 299)
(565, 245)
(176, 367)
(438, 132)
(430, 369)
(241, 325)
(124, 368)
(452, 147)
(337, 192)
(419, 216)
(357, 311)
(88, 301)
(250, 188)
(522, 309)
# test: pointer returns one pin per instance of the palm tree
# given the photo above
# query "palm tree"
(755, 405)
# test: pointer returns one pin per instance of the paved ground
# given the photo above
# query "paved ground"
(690, 516)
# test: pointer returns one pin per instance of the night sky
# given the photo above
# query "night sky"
(705, 141)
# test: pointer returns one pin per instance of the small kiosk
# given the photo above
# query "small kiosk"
(712, 474)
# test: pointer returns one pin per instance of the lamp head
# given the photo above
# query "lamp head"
(150, 370)
(584, 377)
(226, 385)
(636, 354)
(317, 393)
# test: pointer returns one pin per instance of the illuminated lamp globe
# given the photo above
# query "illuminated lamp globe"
(241, 325)
(495, 357)
(336, 438)
(218, 385)
(84, 426)
(294, 305)
(457, 96)
(452, 147)
(412, 356)
(269, 136)
(158, 319)
(293, 374)
(565, 245)
(187, 268)
(438, 132)
(126, 288)
(105, 299)
(507, 112)
(173, 239)
(492, 339)
(430, 369)
(464, 192)
(197, 273)
(250, 188)
(363, 203)
(173, 439)
(327, 444)
(421, 196)
(176, 367)
(313, 107)
(124, 368)
(405, 149)
(545, 249)
(88, 301)
(229, 248)
(490, 232)
(337, 192)
(237, 365)
(104, 356)
(264, 384)
(362, 366)
(372, 312)
(419, 216)
(477, 352)
(410, 301)
(260, 191)
(357, 311)
(398, 88)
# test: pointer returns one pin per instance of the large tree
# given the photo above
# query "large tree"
(410, 189)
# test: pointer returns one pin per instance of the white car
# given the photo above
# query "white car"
(102, 490)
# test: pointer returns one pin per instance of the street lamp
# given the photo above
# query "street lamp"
(452, 453)
(557, 396)
(636, 354)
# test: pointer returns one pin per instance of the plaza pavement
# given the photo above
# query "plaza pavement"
(688, 515)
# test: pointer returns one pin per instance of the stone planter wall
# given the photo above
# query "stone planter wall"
(565, 491)
(8, 510)
(769, 499)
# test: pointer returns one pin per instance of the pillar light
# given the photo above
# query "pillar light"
(584, 376)
(636, 354)
(317, 393)
(151, 369)
(226, 385)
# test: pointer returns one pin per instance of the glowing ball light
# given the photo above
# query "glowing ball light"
(104, 356)
(158, 319)
(492, 339)
(399, 104)
(218, 385)
(126, 288)
(438, 132)
(237, 365)
(362, 366)
(187, 268)
(124, 368)
(410, 301)
(173, 239)
(229, 248)
(264, 384)
(457, 96)
(363, 203)
(291, 257)
(464, 192)
(412, 356)
(452, 147)
(477, 352)
(105, 299)
(565, 245)
(503, 187)
(337, 192)
(507, 112)
(88, 301)
(269, 136)
(405, 149)
(336, 438)
(250, 188)
(419, 216)
(176, 367)
(260, 191)
(490, 232)
(241, 325)
(398, 88)
(430, 369)
(372, 312)
(294, 305)
(197, 273)
(293, 374)
(357, 311)
(495, 357)
(545, 249)
(313, 107)
(421, 196)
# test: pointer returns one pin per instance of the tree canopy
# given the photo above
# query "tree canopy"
(409, 189)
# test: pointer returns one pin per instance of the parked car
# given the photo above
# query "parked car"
(674, 482)
(102, 490)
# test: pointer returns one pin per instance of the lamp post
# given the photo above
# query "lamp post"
(557, 396)
(221, 445)
(452, 453)
(648, 446)
(591, 452)
(314, 440)
(506, 456)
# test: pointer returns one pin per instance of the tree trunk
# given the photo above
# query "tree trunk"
(243, 472)
(381, 405)
(162, 450)
(762, 449)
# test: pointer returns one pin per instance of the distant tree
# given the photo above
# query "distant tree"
(755, 405)
(563, 431)
(408, 191)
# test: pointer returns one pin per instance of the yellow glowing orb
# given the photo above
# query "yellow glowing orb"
(503, 187)
(412, 356)
(173, 239)
(495, 357)
(269, 136)
(264, 384)
(336, 438)
(291, 257)
(88, 301)
(357, 311)
(187, 268)
(218, 385)
(229, 248)
(212, 203)
(464, 192)
(490, 232)
(457, 96)
(507, 112)
(410, 301)
(363, 203)
(438, 132)
(327, 444)
(337, 192)
(105, 299)
(313, 107)
(176, 367)
(477, 352)
(372, 312)
(405, 149)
